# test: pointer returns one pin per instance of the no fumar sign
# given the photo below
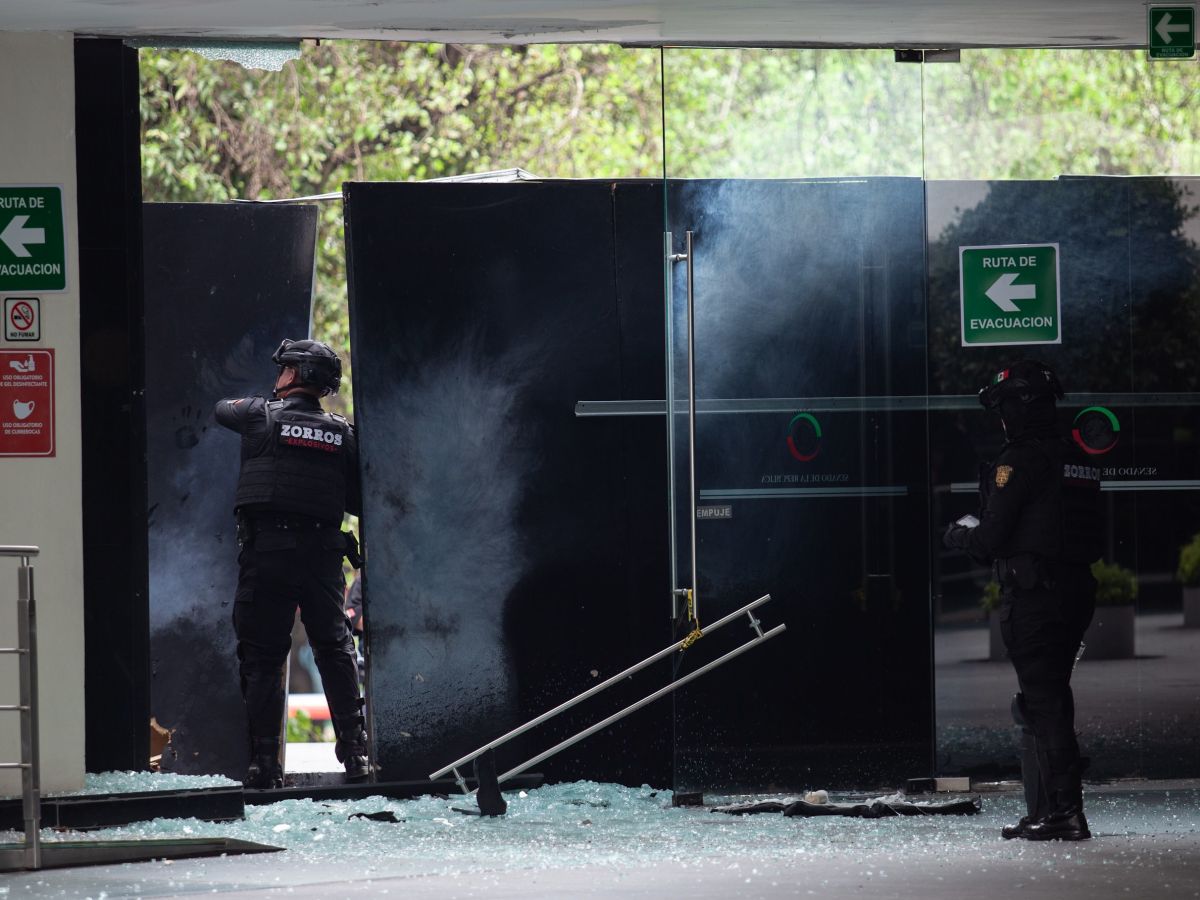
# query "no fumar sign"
(1009, 295)
(33, 248)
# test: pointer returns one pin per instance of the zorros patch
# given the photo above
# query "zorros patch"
(1003, 473)
(1076, 473)
(313, 438)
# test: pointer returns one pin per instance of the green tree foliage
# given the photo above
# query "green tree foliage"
(385, 111)
(1045, 113)
(998, 114)
(748, 113)
(359, 110)
(348, 111)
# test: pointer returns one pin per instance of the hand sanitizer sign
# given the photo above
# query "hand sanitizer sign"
(27, 402)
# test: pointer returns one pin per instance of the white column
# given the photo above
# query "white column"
(41, 498)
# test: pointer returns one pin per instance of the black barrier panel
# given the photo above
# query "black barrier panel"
(516, 553)
(470, 297)
(807, 295)
(224, 284)
(506, 565)
(1164, 288)
(1130, 266)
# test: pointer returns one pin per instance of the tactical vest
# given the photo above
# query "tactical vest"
(1061, 521)
(300, 465)
(1082, 531)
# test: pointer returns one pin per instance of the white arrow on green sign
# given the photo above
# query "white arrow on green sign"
(33, 251)
(1172, 32)
(1009, 295)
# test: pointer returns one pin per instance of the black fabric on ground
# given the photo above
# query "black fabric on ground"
(385, 815)
(487, 795)
(879, 809)
(875, 809)
(750, 809)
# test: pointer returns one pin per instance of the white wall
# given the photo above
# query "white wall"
(41, 499)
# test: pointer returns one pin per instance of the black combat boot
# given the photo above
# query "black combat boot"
(1019, 830)
(1066, 821)
(351, 748)
(1037, 804)
(264, 771)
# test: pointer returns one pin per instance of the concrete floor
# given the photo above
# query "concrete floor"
(587, 840)
(319, 757)
(1147, 845)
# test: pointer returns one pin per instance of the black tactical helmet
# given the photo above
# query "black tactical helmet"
(1026, 381)
(315, 363)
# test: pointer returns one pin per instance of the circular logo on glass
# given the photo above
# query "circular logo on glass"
(1096, 430)
(804, 437)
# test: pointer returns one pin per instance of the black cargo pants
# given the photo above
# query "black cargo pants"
(1042, 628)
(280, 569)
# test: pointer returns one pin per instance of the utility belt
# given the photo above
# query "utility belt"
(268, 521)
(251, 524)
(1026, 571)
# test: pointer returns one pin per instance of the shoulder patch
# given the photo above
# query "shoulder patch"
(1003, 473)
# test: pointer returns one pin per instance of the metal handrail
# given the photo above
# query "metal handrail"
(746, 610)
(633, 707)
(26, 650)
(592, 691)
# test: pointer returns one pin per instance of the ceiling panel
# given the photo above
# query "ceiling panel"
(850, 23)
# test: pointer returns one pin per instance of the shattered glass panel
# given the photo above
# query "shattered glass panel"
(632, 833)
(137, 782)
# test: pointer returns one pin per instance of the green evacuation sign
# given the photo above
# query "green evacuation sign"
(1172, 32)
(1009, 294)
(33, 250)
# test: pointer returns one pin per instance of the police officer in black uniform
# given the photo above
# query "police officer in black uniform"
(1039, 527)
(299, 475)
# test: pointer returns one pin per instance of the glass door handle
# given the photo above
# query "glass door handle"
(688, 244)
(693, 606)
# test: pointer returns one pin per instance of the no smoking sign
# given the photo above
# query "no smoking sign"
(22, 319)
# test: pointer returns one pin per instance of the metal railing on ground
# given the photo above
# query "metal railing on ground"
(754, 623)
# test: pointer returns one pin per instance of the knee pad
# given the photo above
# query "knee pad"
(331, 650)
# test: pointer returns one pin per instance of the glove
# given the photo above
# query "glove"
(955, 537)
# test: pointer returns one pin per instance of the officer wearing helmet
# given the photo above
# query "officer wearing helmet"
(1039, 527)
(299, 476)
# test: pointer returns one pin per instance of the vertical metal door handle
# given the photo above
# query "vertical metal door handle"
(691, 327)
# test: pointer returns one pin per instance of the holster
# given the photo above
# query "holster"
(1025, 571)
(353, 556)
(245, 533)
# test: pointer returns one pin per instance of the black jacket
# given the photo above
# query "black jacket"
(1039, 497)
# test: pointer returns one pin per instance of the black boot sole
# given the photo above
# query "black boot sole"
(1065, 836)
